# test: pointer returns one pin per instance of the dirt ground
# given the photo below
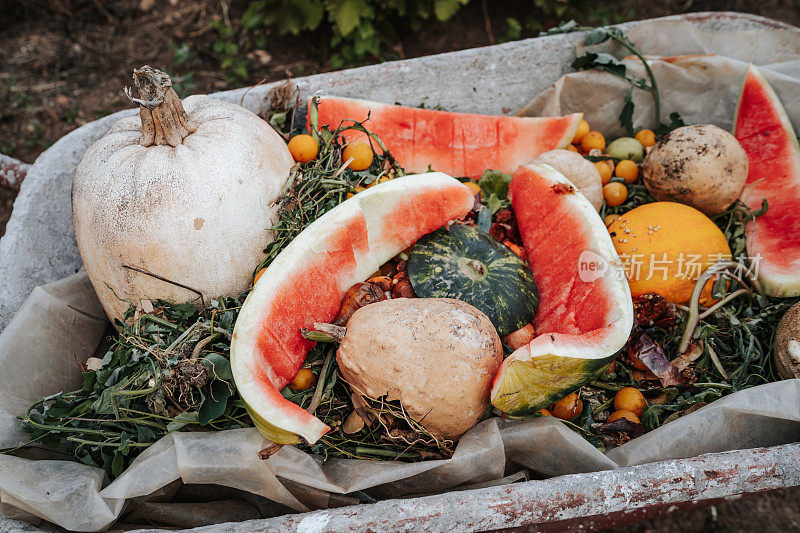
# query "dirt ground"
(776, 511)
(63, 63)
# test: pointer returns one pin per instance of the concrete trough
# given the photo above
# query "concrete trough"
(39, 247)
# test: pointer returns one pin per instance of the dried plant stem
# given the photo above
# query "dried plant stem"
(717, 362)
(710, 311)
(164, 120)
(332, 330)
(320, 383)
(201, 344)
(693, 317)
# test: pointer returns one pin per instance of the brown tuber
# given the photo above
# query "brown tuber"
(786, 350)
(437, 356)
(702, 166)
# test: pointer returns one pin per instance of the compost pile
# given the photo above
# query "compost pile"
(675, 336)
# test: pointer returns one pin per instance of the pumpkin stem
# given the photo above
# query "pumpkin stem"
(164, 121)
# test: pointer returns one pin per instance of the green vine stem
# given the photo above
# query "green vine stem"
(693, 316)
(653, 89)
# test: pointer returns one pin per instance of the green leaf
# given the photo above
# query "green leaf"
(104, 404)
(494, 182)
(185, 311)
(568, 26)
(252, 17)
(219, 366)
(596, 36)
(675, 122)
(513, 29)
(145, 434)
(347, 15)
(215, 402)
(626, 114)
(494, 204)
(89, 380)
(600, 61)
(183, 419)
(118, 464)
(84, 407)
(312, 12)
(444, 9)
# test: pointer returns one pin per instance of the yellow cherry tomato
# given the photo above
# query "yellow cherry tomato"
(646, 137)
(631, 417)
(615, 193)
(474, 187)
(568, 407)
(258, 275)
(630, 399)
(303, 148)
(382, 179)
(358, 190)
(627, 170)
(605, 171)
(583, 129)
(593, 140)
(609, 219)
(304, 379)
(361, 154)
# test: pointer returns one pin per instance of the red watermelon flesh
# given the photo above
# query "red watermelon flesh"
(459, 144)
(307, 281)
(585, 315)
(766, 134)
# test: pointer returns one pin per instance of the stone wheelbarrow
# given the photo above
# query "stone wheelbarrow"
(39, 247)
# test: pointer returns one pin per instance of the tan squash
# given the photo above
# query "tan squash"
(178, 200)
(437, 356)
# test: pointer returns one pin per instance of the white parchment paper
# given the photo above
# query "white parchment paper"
(62, 321)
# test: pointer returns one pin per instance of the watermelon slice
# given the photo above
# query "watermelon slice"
(458, 144)
(765, 132)
(308, 279)
(585, 310)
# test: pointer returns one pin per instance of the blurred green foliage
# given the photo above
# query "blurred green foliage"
(358, 31)
(360, 28)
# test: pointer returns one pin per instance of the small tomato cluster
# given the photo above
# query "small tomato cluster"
(629, 403)
(590, 142)
(357, 155)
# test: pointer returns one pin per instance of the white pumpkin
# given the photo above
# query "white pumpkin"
(180, 206)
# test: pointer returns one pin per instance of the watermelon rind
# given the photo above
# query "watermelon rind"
(531, 384)
(767, 154)
(554, 364)
(459, 144)
(312, 274)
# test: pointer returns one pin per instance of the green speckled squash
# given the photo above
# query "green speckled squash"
(468, 265)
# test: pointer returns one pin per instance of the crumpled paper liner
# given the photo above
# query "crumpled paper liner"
(60, 321)
(702, 88)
